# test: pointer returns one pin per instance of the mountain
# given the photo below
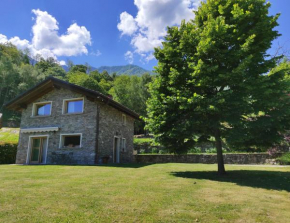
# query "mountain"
(127, 69)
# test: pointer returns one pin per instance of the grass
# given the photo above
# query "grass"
(144, 193)
(139, 141)
(9, 135)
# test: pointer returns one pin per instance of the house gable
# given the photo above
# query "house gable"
(51, 83)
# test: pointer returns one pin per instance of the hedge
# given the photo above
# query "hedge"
(8, 153)
(284, 159)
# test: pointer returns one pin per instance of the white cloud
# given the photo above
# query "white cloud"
(3, 39)
(127, 24)
(148, 28)
(62, 63)
(129, 57)
(97, 53)
(46, 40)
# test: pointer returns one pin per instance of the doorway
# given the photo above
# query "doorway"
(38, 150)
(116, 151)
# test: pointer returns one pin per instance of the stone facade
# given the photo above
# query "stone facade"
(99, 123)
(111, 126)
(243, 158)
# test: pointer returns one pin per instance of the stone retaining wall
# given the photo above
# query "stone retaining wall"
(249, 158)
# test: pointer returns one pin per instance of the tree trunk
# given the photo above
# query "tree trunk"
(220, 159)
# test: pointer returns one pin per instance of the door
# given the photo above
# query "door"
(116, 150)
(36, 151)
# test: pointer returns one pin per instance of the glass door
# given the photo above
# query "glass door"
(36, 151)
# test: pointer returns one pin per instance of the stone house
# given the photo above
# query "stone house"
(62, 123)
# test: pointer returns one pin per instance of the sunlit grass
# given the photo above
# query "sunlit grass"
(9, 135)
(144, 193)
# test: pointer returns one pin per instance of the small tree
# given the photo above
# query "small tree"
(214, 80)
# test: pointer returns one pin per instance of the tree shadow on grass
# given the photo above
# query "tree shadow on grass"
(271, 180)
(124, 165)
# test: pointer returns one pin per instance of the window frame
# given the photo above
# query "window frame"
(61, 140)
(65, 107)
(34, 107)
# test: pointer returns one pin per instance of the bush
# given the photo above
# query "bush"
(8, 153)
(194, 150)
(154, 150)
(142, 151)
(284, 159)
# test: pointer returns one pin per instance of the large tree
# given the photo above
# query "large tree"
(215, 80)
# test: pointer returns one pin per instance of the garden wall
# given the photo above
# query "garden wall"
(242, 158)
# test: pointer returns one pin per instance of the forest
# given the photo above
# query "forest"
(19, 72)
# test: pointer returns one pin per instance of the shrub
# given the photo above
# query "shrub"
(194, 150)
(284, 159)
(162, 151)
(154, 150)
(8, 153)
(142, 151)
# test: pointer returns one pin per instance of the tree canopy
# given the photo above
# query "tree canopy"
(216, 81)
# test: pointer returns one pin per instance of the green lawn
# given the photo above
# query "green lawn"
(136, 193)
(9, 135)
(143, 140)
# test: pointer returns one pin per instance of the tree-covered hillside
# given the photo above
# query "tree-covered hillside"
(18, 73)
(127, 69)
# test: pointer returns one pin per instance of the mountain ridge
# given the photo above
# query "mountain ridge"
(122, 69)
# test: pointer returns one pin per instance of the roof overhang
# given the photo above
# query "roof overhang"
(43, 129)
(51, 83)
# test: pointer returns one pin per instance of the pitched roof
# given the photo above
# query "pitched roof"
(51, 83)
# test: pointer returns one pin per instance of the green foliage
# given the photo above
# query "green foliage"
(57, 72)
(215, 79)
(284, 159)
(132, 91)
(79, 69)
(8, 153)
(45, 64)
(84, 80)
(16, 75)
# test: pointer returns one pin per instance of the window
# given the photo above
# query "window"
(70, 141)
(73, 106)
(41, 109)
(124, 119)
(123, 146)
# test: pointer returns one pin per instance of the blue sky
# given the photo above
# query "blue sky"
(103, 32)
